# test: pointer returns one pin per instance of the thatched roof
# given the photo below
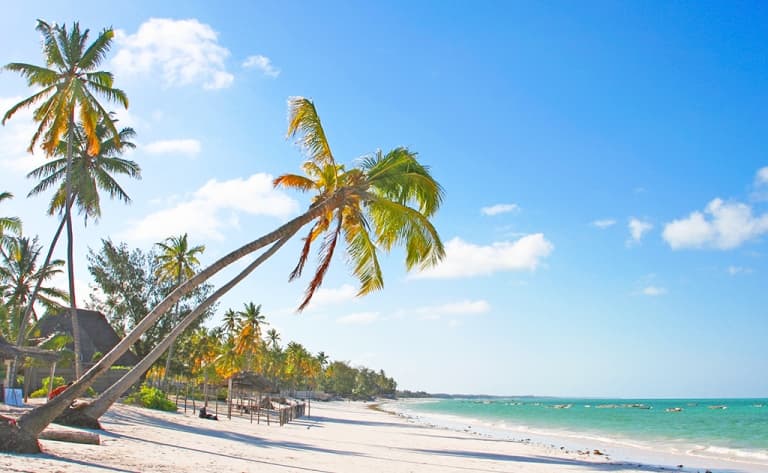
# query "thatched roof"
(96, 335)
(252, 381)
(8, 351)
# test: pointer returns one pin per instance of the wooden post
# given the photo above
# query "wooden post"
(250, 408)
(50, 380)
(229, 399)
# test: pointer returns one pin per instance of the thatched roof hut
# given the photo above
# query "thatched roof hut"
(248, 380)
(8, 351)
(96, 335)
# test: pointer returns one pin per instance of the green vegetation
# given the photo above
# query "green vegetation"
(151, 398)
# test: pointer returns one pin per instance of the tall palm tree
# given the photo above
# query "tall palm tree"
(176, 263)
(70, 83)
(90, 173)
(19, 273)
(8, 224)
(387, 201)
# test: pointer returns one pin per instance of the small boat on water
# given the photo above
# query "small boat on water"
(563, 406)
(718, 407)
(674, 409)
(758, 405)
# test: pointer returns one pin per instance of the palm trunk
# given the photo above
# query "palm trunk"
(34, 421)
(28, 311)
(170, 348)
(113, 393)
(70, 251)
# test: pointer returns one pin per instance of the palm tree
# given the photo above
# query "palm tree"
(248, 341)
(176, 262)
(230, 323)
(68, 82)
(8, 224)
(90, 172)
(19, 273)
(273, 337)
(387, 201)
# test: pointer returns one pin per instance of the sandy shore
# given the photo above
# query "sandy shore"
(337, 437)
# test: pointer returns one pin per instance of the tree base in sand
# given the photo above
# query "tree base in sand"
(15, 440)
(75, 416)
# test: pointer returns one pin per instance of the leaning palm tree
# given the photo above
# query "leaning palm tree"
(70, 83)
(387, 201)
(176, 262)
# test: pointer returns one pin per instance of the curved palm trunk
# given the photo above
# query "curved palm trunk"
(34, 421)
(70, 252)
(28, 311)
(113, 393)
(170, 348)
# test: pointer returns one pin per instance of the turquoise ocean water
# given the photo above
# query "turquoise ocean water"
(734, 429)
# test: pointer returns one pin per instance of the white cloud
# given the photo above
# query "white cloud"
(654, 291)
(189, 147)
(262, 63)
(214, 208)
(15, 137)
(332, 296)
(500, 209)
(185, 51)
(463, 259)
(465, 307)
(604, 223)
(761, 179)
(637, 229)
(722, 225)
(360, 318)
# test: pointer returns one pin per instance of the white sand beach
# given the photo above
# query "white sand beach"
(337, 437)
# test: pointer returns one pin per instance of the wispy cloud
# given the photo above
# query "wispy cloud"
(721, 226)
(189, 147)
(214, 208)
(637, 230)
(735, 270)
(464, 307)
(359, 318)
(185, 52)
(324, 297)
(654, 291)
(604, 223)
(463, 259)
(500, 209)
(263, 64)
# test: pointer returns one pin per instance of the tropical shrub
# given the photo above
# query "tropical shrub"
(151, 398)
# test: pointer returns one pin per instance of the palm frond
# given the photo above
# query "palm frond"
(294, 181)
(97, 51)
(35, 75)
(326, 255)
(28, 102)
(304, 122)
(362, 254)
(51, 47)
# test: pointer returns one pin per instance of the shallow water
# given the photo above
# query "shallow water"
(729, 429)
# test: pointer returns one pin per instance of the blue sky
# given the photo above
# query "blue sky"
(605, 169)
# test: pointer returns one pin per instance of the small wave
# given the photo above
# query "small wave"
(712, 451)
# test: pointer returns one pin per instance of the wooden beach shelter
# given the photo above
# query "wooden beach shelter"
(247, 387)
(7, 352)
